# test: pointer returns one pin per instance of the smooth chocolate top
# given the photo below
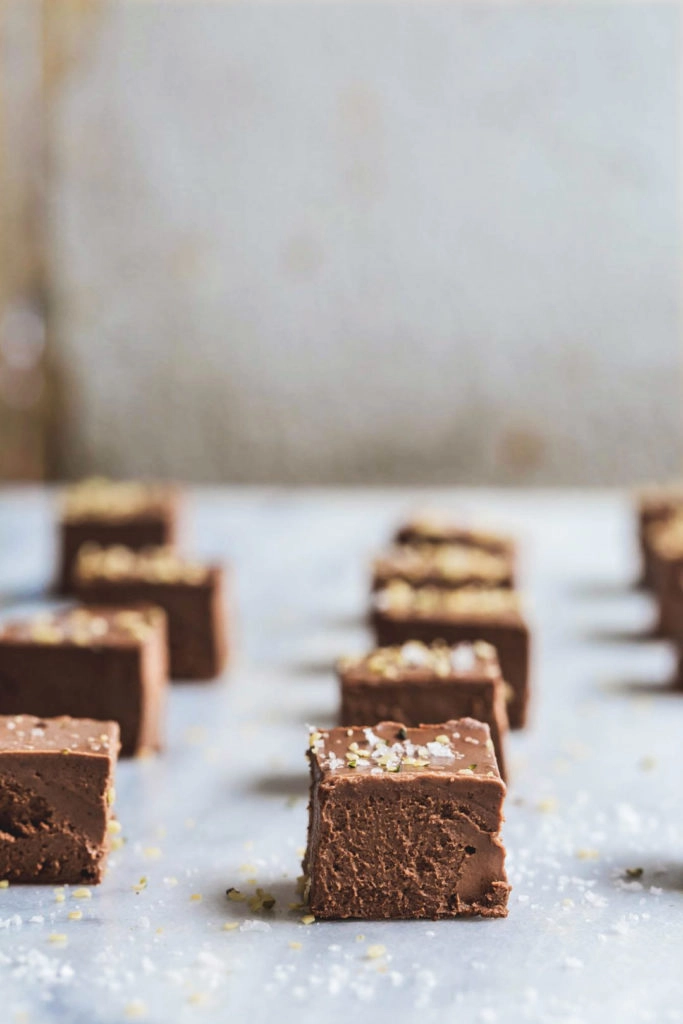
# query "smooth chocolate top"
(29, 734)
(150, 565)
(448, 561)
(85, 627)
(419, 662)
(460, 747)
(400, 600)
(108, 500)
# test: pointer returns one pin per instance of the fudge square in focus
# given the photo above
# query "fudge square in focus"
(101, 663)
(56, 790)
(401, 613)
(191, 593)
(405, 823)
(419, 683)
(133, 514)
(443, 565)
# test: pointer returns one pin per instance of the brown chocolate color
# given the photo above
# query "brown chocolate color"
(503, 627)
(194, 604)
(150, 518)
(56, 786)
(418, 683)
(422, 841)
(97, 663)
(655, 505)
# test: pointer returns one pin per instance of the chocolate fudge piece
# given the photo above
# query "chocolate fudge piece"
(419, 683)
(439, 528)
(191, 593)
(655, 505)
(56, 790)
(665, 560)
(133, 514)
(405, 823)
(101, 663)
(401, 613)
(443, 565)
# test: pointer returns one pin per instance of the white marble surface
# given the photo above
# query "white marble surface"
(596, 788)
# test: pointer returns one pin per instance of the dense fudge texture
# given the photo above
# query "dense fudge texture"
(419, 683)
(443, 565)
(405, 823)
(655, 505)
(135, 515)
(665, 552)
(56, 790)
(401, 613)
(438, 528)
(191, 593)
(100, 663)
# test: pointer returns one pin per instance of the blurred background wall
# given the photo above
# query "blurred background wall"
(398, 242)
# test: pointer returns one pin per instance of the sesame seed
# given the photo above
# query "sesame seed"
(81, 894)
(373, 952)
(75, 915)
(230, 926)
(308, 919)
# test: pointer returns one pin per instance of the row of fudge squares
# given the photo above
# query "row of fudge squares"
(442, 581)
(117, 542)
(405, 817)
(112, 661)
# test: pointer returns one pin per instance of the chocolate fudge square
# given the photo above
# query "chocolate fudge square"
(99, 663)
(438, 528)
(56, 790)
(443, 565)
(191, 593)
(405, 823)
(420, 682)
(655, 505)
(665, 553)
(134, 514)
(401, 613)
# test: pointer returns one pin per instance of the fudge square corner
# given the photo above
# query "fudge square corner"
(405, 823)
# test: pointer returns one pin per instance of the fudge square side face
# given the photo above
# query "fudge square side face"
(665, 561)
(98, 663)
(443, 565)
(56, 787)
(405, 823)
(401, 613)
(420, 682)
(134, 514)
(191, 594)
(655, 504)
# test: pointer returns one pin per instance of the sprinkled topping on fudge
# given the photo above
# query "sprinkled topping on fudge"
(461, 747)
(151, 565)
(99, 498)
(85, 626)
(400, 598)
(62, 735)
(439, 526)
(416, 658)
(667, 537)
(451, 562)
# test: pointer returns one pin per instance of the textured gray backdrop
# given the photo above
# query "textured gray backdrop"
(351, 242)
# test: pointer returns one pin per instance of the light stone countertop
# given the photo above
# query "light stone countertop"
(596, 788)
